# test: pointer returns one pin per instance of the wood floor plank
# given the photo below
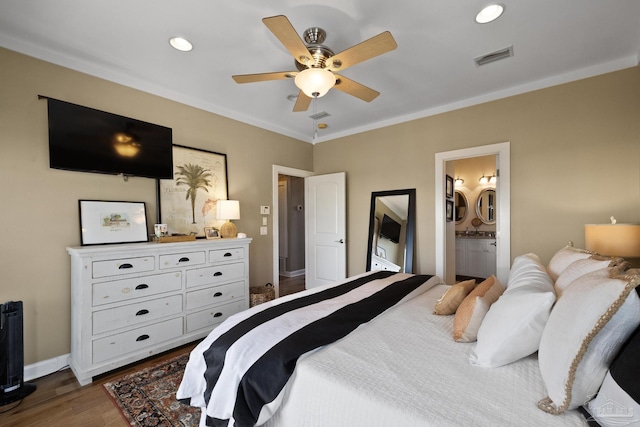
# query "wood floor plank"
(60, 401)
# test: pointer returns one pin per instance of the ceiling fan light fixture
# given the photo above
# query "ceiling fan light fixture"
(315, 82)
(181, 44)
(489, 13)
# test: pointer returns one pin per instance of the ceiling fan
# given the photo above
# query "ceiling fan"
(316, 64)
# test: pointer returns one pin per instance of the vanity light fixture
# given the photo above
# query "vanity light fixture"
(459, 181)
(489, 13)
(181, 44)
(488, 179)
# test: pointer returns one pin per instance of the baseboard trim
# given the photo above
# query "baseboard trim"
(46, 367)
(295, 273)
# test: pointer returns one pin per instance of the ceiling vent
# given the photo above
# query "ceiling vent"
(494, 56)
(320, 115)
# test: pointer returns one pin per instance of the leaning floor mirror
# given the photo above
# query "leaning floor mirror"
(391, 230)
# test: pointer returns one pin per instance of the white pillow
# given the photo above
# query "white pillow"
(585, 330)
(584, 266)
(514, 324)
(563, 258)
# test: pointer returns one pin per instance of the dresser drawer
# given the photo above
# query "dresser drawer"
(115, 267)
(115, 346)
(220, 255)
(213, 316)
(215, 295)
(181, 260)
(135, 314)
(213, 275)
(128, 289)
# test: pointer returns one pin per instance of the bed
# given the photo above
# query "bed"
(402, 367)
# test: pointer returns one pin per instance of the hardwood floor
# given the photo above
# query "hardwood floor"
(60, 400)
(291, 285)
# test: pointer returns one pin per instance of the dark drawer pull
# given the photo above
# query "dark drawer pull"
(142, 312)
(217, 294)
(217, 273)
(124, 266)
(142, 286)
(228, 254)
(183, 259)
(218, 314)
(142, 337)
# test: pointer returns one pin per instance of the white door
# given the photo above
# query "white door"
(326, 253)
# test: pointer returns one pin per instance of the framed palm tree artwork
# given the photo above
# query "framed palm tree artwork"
(187, 203)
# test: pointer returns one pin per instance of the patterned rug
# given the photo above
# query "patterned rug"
(148, 397)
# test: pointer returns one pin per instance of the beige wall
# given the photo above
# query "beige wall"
(39, 205)
(575, 159)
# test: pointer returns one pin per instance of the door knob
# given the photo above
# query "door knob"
(340, 241)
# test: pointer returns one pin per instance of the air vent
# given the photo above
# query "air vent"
(320, 115)
(494, 56)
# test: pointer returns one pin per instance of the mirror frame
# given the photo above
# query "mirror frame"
(411, 225)
(466, 201)
(478, 214)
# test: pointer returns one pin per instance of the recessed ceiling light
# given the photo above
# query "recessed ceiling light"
(181, 44)
(489, 13)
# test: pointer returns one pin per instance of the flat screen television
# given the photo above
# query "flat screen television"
(390, 229)
(89, 140)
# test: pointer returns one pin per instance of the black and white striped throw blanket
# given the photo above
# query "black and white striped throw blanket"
(238, 373)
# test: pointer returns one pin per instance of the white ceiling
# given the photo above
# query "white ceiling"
(431, 71)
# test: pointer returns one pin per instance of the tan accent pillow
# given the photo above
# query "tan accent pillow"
(449, 302)
(473, 308)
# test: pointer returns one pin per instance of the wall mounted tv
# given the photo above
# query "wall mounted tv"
(88, 140)
(390, 229)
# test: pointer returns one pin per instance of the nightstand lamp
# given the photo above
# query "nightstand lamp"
(622, 240)
(228, 210)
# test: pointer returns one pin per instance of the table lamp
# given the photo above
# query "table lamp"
(228, 210)
(613, 239)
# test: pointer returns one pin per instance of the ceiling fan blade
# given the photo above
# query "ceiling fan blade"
(382, 43)
(284, 31)
(263, 77)
(356, 89)
(302, 103)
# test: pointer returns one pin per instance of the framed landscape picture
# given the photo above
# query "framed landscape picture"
(103, 222)
(187, 203)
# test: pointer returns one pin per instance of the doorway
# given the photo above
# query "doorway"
(280, 218)
(291, 234)
(445, 231)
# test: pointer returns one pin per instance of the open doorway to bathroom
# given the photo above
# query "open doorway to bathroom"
(475, 215)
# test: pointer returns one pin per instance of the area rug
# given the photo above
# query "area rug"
(148, 397)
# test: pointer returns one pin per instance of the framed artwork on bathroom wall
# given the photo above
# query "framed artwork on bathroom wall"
(449, 187)
(449, 210)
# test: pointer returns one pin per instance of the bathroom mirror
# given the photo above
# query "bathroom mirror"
(462, 206)
(391, 230)
(486, 206)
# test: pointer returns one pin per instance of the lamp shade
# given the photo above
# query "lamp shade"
(621, 240)
(228, 209)
(315, 82)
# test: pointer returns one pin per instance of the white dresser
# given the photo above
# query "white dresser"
(131, 301)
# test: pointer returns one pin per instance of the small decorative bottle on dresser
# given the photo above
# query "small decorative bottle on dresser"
(131, 301)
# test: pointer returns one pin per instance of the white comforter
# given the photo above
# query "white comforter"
(404, 369)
